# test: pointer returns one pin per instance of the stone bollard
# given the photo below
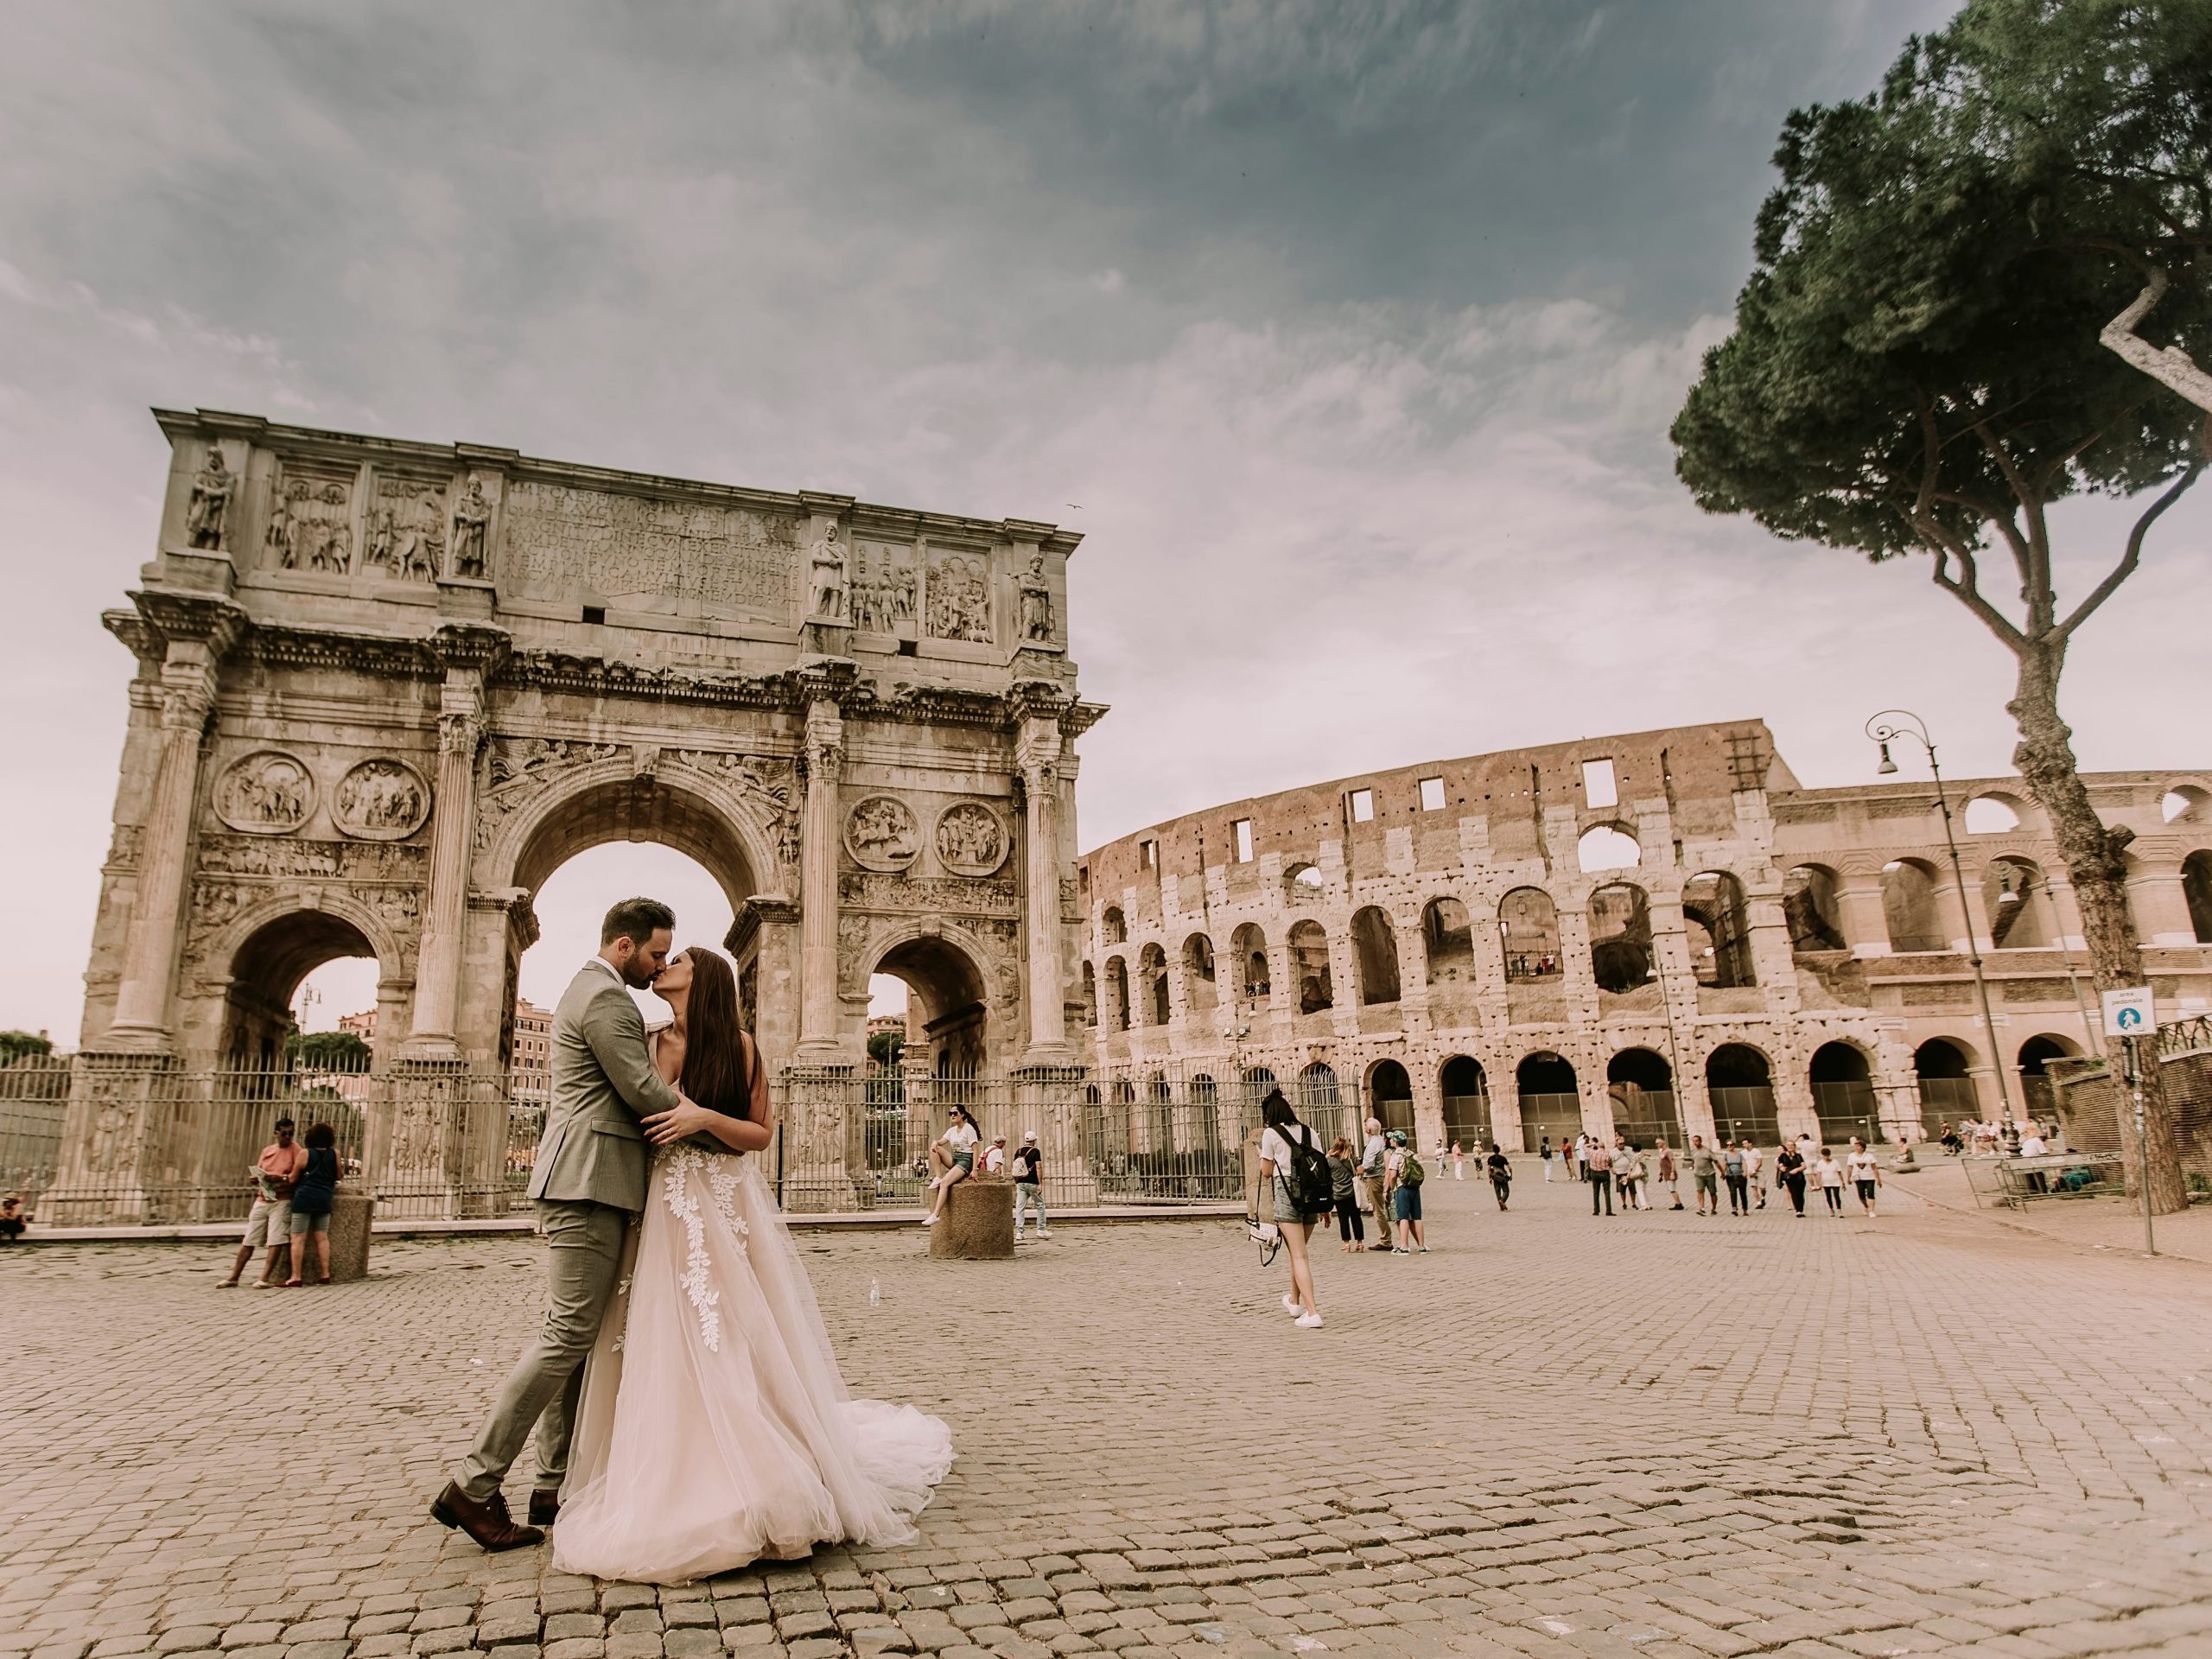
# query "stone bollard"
(351, 1214)
(977, 1222)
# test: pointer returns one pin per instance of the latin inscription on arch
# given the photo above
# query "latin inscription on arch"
(561, 541)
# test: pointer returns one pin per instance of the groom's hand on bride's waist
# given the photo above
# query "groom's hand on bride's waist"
(688, 1118)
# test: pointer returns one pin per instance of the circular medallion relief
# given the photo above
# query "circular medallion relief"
(268, 793)
(381, 800)
(882, 835)
(971, 840)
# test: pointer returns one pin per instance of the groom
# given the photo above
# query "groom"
(590, 1180)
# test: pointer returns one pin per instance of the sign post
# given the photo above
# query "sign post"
(2131, 1016)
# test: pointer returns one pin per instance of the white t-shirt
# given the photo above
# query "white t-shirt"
(960, 1138)
(1861, 1166)
(1750, 1160)
(1830, 1172)
(995, 1160)
(2033, 1146)
(1274, 1147)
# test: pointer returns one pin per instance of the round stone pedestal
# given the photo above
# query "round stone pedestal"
(977, 1222)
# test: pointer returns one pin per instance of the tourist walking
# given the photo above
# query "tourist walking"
(1402, 1176)
(1789, 1170)
(1288, 1152)
(1501, 1174)
(312, 1198)
(1831, 1179)
(1633, 1172)
(1731, 1170)
(268, 1223)
(1671, 1174)
(1864, 1171)
(1598, 1160)
(1705, 1176)
(1753, 1161)
(1459, 1162)
(1029, 1183)
(1344, 1175)
(1544, 1152)
(953, 1156)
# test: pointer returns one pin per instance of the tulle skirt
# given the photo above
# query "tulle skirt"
(715, 1428)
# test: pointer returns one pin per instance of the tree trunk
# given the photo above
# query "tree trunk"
(2095, 861)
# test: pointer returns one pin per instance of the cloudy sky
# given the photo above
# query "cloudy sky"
(1347, 334)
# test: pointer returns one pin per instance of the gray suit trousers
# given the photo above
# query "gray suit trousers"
(584, 1251)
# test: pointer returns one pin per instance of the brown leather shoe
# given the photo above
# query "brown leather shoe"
(544, 1507)
(488, 1522)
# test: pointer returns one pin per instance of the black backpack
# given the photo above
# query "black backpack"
(1312, 1188)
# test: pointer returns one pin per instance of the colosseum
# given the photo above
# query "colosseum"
(1659, 933)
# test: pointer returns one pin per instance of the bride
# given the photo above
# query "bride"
(715, 1428)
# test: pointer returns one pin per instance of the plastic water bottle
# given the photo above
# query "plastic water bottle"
(875, 1293)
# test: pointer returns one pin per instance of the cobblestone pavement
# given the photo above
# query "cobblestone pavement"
(1655, 1435)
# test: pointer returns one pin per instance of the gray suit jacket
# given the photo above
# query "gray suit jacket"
(603, 1082)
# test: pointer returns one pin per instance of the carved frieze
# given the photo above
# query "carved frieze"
(854, 933)
(310, 519)
(873, 890)
(292, 857)
(561, 540)
(971, 840)
(405, 536)
(960, 597)
(771, 784)
(509, 759)
(883, 586)
(268, 793)
(125, 845)
(882, 834)
(381, 800)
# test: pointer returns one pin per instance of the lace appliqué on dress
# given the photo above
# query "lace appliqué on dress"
(698, 1266)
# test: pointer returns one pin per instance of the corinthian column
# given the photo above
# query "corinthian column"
(445, 909)
(825, 758)
(142, 1003)
(1037, 751)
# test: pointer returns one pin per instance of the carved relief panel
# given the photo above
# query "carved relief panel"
(268, 793)
(971, 840)
(404, 536)
(381, 800)
(882, 834)
(960, 596)
(884, 582)
(310, 523)
(561, 542)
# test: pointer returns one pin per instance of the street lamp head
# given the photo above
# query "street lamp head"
(1888, 765)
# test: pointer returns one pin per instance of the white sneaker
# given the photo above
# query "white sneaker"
(1292, 1306)
(936, 1181)
(1041, 1233)
(1309, 1321)
(929, 1221)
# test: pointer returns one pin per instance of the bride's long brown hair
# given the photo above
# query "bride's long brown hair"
(714, 1073)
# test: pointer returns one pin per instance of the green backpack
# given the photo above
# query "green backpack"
(1410, 1173)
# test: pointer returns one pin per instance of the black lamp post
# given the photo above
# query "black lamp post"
(1886, 729)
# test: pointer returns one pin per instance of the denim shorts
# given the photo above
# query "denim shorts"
(303, 1222)
(1405, 1203)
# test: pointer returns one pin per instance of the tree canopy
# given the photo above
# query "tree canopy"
(332, 1050)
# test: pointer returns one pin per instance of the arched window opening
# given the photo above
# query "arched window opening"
(1620, 939)
(2036, 1088)
(1152, 972)
(1197, 973)
(1317, 1088)
(1992, 815)
(1256, 1083)
(1947, 1095)
(1116, 929)
(1551, 1105)
(1809, 907)
(1528, 928)
(1248, 949)
(1843, 1093)
(1117, 995)
(1309, 967)
(1607, 847)
(1719, 926)
(1740, 1085)
(1448, 941)
(2185, 804)
(1158, 1125)
(1390, 1096)
(2196, 889)
(2017, 900)
(1375, 948)
(1909, 907)
(1641, 1084)
(1090, 996)
(1303, 884)
(1466, 1101)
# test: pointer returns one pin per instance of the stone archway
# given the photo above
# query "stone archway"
(239, 1007)
(947, 979)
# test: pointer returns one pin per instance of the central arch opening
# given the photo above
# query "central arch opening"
(1642, 1086)
(1551, 1104)
(1741, 1086)
(309, 975)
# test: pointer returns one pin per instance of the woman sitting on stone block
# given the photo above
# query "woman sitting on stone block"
(952, 1154)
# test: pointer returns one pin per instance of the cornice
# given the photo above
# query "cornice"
(172, 616)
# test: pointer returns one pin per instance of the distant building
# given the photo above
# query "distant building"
(531, 1067)
(362, 1025)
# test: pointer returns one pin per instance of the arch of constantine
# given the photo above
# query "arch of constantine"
(1661, 932)
(385, 688)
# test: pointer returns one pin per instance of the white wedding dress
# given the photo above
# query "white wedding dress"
(715, 1428)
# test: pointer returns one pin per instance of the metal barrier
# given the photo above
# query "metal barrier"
(2016, 1183)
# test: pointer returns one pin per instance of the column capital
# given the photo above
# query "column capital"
(459, 732)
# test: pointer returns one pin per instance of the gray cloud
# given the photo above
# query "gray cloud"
(1353, 330)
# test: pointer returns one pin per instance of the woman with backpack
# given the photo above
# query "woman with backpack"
(1297, 1174)
(1402, 1179)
